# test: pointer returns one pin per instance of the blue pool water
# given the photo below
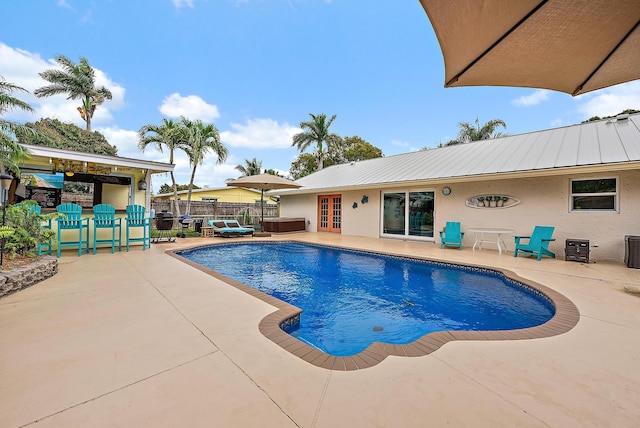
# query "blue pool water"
(351, 299)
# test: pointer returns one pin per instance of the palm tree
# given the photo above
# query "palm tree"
(316, 131)
(200, 138)
(170, 135)
(468, 133)
(250, 167)
(11, 153)
(77, 80)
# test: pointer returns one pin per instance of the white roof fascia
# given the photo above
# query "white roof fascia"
(49, 152)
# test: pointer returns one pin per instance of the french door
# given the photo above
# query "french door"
(330, 213)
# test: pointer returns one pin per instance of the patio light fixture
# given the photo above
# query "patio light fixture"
(6, 185)
(142, 185)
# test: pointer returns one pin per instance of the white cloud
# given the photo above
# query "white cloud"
(533, 99)
(191, 106)
(260, 134)
(22, 68)
(127, 144)
(404, 146)
(178, 4)
(63, 3)
(610, 101)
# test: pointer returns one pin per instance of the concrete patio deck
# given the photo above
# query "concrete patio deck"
(142, 339)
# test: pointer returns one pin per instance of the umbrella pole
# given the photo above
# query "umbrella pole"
(262, 208)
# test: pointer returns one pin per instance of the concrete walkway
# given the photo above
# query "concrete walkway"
(141, 339)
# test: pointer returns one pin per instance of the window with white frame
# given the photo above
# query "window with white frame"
(594, 194)
(209, 199)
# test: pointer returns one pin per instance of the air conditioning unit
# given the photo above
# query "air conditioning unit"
(632, 251)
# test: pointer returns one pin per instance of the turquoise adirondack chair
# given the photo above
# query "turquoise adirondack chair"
(538, 243)
(72, 221)
(451, 235)
(135, 220)
(104, 217)
(44, 248)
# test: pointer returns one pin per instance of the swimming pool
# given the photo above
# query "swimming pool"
(351, 299)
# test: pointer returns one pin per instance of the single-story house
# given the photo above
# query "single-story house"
(583, 179)
(222, 194)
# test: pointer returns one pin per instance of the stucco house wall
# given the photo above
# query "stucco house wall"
(543, 201)
(364, 220)
(305, 206)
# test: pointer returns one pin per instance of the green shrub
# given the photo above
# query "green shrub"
(28, 230)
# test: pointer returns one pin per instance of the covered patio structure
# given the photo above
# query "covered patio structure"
(116, 180)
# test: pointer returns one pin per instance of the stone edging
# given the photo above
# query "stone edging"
(26, 276)
(565, 318)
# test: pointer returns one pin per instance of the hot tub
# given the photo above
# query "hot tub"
(283, 224)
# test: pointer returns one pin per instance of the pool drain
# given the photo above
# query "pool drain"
(377, 328)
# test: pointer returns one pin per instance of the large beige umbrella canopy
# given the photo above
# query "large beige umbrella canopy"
(263, 182)
(572, 46)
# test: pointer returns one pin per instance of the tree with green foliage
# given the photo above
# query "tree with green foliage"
(60, 135)
(305, 164)
(167, 188)
(11, 153)
(169, 135)
(469, 133)
(272, 171)
(352, 149)
(627, 111)
(250, 167)
(79, 82)
(316, 132)
(200, 139)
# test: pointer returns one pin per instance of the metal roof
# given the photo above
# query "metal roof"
(600, 143)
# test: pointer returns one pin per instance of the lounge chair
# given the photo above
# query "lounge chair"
(229, 228)
(538, 243)
(451, 235)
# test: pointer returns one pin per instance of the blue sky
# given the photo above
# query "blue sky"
(257, 68)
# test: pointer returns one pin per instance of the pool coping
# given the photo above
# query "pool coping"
(565, 318)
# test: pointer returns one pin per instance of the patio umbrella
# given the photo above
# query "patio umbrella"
(572, 46)
(263, 182)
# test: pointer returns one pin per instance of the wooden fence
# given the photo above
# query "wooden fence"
(245, 213)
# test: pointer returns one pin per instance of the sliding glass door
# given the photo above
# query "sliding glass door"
(408, 213)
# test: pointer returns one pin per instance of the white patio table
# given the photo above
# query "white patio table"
(480, 238)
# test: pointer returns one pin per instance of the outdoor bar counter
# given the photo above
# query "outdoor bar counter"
(282, 224)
